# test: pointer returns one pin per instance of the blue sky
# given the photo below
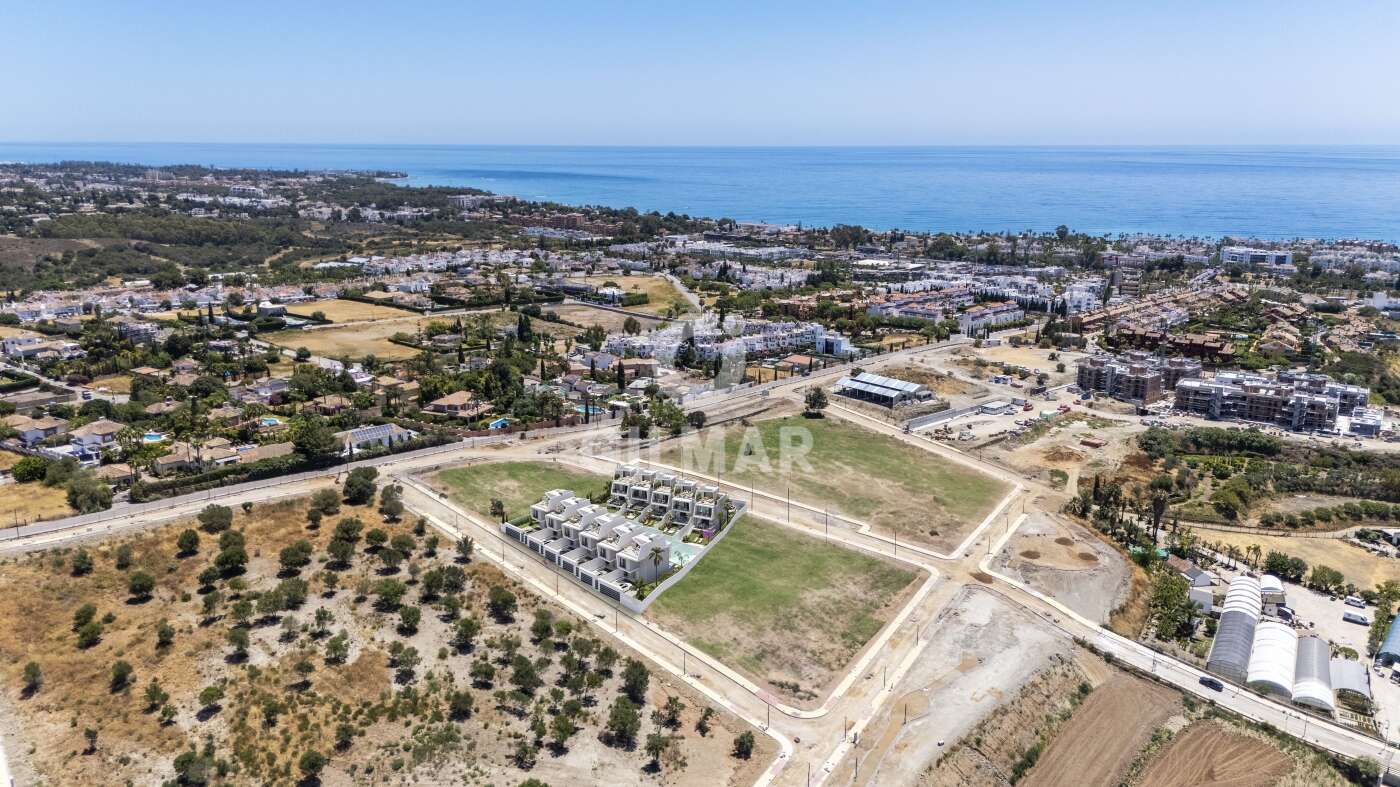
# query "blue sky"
(707, 73)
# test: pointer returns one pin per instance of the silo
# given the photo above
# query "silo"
(1312, 674)
(1234, 636)
(1274, 658)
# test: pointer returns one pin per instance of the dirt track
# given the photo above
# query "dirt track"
(1105, 734)
(1208, 755)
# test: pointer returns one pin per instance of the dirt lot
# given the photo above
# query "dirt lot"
(402, 731)
(1065, 561)
(611, 321)
(1033, 358)
(939, 382)
(981, 652)
(1105, 734)
(337, 310)
(1059, 447)
(1208, 754)
(29, 502)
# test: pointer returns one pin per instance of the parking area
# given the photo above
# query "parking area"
(1317, 613)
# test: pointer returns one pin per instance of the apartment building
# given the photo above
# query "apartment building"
(1135, 376)
(1301, 402)
(989, 315)
(1245, 255)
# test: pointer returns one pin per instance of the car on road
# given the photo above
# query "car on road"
(1212, 683)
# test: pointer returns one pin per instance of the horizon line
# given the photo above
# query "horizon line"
(852, 146)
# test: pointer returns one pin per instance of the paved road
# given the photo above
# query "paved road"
(812, 741)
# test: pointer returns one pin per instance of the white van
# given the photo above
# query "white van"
(1354, 601)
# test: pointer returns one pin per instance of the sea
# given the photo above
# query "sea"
(1271, 193)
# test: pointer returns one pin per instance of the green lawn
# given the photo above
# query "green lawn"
(856, 472)
(517, 484)
(790, 610)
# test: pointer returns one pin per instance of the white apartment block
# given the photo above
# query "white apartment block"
(1245, 255)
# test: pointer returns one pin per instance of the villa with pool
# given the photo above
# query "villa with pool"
(653, 529)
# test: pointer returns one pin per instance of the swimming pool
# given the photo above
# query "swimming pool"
(683, 553)
(268, 420)
(589, 410)
(153, 437)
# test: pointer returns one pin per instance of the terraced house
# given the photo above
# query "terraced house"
(654, 527)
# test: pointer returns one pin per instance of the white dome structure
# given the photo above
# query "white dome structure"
(1274, 659)
(1312, 675)
(1270, 584)
(1234, 636)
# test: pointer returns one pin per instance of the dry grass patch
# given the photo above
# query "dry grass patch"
(337, 310)
(581, 314)
(402, 730)
(661, 293)
(20, 503)
(116, 383)
(1362, 568)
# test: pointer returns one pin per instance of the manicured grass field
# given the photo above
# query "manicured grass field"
(863, 474)
(790, 610)
(517, 484)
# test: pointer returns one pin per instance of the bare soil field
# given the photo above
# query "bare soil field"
(611, 321)
(994, 747)
(9, 459)
(1058, 446)
(32, 501)
(939, 382)
(1033, 358)
(981, 652)
(1105, 734)
(1063, 560)
(337, 310)
(386, 691)
(1209, 754)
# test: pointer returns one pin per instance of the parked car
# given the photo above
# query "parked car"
(1354, 601)
(1212, 683)
(1352, 617)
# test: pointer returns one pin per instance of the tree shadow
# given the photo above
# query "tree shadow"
(208, 712)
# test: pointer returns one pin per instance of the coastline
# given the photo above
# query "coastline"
(1264, 192)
